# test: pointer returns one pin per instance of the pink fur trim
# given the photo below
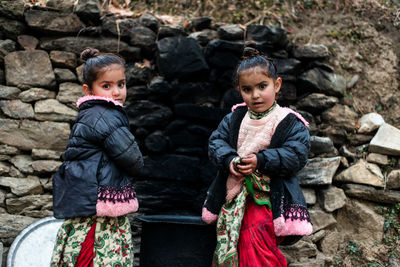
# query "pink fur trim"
(298, 115)
(95, 97)
(238, 105)
(289, 227)
(110, 209)
(208, 217)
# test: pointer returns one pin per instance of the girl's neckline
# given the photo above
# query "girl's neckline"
(259, 115)
(86, 98)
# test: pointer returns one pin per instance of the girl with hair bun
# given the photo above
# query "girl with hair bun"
(92, 189)
(258, 148)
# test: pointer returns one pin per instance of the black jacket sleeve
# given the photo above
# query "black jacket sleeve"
(290, 157)
(220, 151)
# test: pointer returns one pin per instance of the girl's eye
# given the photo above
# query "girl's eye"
(246, 89)
(121, 85)
(263, 86)
(106, 86)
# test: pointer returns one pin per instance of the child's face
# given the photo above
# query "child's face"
(110, 83)
(257, 89)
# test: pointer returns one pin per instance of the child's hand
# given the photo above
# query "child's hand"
(233, 170)
(248, 164)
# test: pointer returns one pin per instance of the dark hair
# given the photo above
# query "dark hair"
(95, 62)
(252, 58)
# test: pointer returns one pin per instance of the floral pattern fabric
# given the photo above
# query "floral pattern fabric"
(112, 245)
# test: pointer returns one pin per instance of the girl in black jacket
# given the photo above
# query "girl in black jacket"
(92, 189)
(258, 149)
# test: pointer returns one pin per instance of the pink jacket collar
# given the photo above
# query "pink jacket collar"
(94, 97)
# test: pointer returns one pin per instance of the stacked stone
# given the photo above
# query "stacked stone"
(179, 88)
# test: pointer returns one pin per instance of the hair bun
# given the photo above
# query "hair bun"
(89, 53)
(250, 50)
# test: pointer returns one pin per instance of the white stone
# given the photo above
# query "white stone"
(370, 122)
(362, 173)
(386, 141)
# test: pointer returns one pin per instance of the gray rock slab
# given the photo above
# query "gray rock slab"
(311, 51)
(386, 141)
(370, 122)
(62, 59)
(52, 110)
(333, 198)
(362, 172)
(378, 158)
(34, 245)
(22, 186)
(69, 93)
(22, 205)
(309, 195)
(321, 219)
(45, 166)
(319, 171)
(45, 154)
(17, 109)
(27, 69)
(372, 194)
(340, 116)
(27, 134)
(23, 163)
(9, 92)
(393, 180)
(35, 94)
(13, 225)
(64, 75)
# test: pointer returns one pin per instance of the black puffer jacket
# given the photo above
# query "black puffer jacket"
(101, 151)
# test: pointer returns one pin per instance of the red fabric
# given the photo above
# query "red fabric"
(86, 255)
(258, 245)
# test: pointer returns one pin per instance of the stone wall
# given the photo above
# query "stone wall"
(179, 88)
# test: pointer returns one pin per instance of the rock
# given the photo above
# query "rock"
(321, 219)
(14, 172)
(134, 93)
(146, 113)
(323, 82)
(15, 224)
(4, 168)
(149, 21)
(330, 243)
(316, 236)
(311, 52)
(47, 183)
(17, 109)
(2, 198)
(340, 116)
(35, 94)
(322, 145)
(198, 113)
(362, 173)
(89, 11)
(62, 59)
(23, 163)
(9, 92)
(8, 150)
(144, 38)
(45, 166)
(287, 65)
(27, 42)
(231, 32)
(11, 29)
(160, 90)
(64, 75)
(370, 122)
(103, 44)
(12, 10)
(359, 221)
(172, 64)
(223, 54)
(288, 94)
(6, 47)
(309, 195)
(378, 159)
(371, 194)
(28, 134)
(49, 22)
(316, 102)
(22, 186)
(204, 37)
(386, 141)
(359, 139)
(352, 81)
(301, 249)
(52, 110)
(27, 69)
(393, 180)
(333, 198)
(66, 6)
(170, 31)
(69, 93)
(156, 142)
(319, 171)
(267, 36)
(196, 93)
(199, 24)
(45, 154)
(138, 75)
(25, 204)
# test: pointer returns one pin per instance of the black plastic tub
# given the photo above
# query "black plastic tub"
(175, 241)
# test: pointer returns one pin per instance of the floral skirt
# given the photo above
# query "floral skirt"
(112, 241)
(258, 245)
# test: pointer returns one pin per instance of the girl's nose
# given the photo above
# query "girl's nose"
(115, 91)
